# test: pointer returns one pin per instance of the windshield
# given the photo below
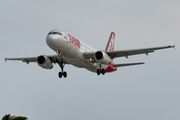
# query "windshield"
(55, 33)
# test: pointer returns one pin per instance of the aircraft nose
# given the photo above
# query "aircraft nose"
(51, 40)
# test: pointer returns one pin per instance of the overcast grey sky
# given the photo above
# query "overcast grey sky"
(144, 92)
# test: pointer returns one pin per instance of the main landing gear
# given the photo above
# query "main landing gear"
(99, 71)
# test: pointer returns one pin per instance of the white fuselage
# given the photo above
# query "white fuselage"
(72, 50)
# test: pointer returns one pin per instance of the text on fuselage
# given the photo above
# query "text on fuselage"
(74, 41)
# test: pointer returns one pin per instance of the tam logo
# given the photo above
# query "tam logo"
(74, 41)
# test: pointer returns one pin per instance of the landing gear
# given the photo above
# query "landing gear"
(103, 71)
(61, 64)
(99, 71)
(64, 74)
(60, 74)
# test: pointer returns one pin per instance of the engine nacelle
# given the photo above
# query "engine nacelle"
(44, 62)
(102, 57)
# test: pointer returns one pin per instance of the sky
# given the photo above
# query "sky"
(149, 91)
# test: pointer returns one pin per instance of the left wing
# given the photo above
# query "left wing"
(127, 64)
(126, 53)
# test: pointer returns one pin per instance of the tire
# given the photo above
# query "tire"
(98, 72)
(60, 74)
(65, 74)
(103, 72)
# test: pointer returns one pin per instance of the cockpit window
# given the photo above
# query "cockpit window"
(55, 33)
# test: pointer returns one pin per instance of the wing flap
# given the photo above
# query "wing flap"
(115, 54)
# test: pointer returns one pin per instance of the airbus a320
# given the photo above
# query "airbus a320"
(70, 50)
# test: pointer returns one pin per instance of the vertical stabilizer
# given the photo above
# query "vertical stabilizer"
(111, 41)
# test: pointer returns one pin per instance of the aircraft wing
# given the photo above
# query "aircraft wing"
(126, 53)
(26, 59)
(53, 58)
(127, 64)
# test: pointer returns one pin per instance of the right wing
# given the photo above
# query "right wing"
(53, 59)
(25, 59)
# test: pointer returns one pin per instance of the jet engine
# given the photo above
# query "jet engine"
(102, 57)
(44, 62)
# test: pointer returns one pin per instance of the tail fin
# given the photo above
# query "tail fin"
(111, 41)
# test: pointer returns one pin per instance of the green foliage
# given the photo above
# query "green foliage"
(7, 117)
(20, 118)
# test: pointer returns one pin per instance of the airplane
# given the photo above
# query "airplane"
(70, 50)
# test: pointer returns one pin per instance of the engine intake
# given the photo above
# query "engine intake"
(102, 57)
(98, 55)
(44, 62)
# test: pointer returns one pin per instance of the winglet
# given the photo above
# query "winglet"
(174, 46)
(5, 59)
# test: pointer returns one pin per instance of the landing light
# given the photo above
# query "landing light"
(90, 59)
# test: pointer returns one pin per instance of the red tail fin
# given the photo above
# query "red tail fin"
(111, 41)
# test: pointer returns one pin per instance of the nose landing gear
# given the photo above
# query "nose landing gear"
(62, 73)
(61, 64)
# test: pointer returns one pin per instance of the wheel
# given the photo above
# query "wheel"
(103, 71)
(65, 74)
(60, 74)
(98, 72)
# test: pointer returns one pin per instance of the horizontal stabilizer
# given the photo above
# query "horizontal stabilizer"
(127, 64)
